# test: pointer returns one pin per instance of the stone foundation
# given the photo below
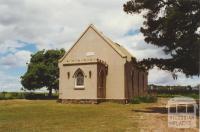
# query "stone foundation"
(91, 101)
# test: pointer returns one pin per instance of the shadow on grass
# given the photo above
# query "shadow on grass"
(160, 110)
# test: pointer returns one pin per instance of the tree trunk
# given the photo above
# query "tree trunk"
(50, 92)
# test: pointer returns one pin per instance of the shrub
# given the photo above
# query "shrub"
(135, 100)
(143, 99)
(2, 95)
(39, 96)
(11, 95)
(25, 95)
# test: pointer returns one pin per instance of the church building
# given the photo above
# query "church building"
(96, 69)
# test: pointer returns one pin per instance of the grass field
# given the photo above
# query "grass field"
(48, 116)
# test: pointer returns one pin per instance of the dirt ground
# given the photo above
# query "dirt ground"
(154, 118)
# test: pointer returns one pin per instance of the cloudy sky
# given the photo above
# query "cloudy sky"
(27, 26)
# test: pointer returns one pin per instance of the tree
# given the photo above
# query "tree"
(173, 25)
(43, 70)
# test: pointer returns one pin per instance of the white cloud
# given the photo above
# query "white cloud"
(161, 77)
(157, 76)
(140, 49)
(58, 23)
(17, 59)
(9, 82)
(10, 46)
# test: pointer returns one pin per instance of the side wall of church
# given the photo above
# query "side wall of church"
(135, 81)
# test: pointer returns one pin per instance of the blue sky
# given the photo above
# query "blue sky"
(27, 26)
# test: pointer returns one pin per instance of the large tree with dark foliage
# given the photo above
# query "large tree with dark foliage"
(173, 25)
(43, 70)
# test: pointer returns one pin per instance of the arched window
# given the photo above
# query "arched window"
(79, 79)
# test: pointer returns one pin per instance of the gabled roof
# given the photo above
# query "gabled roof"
(118, 48)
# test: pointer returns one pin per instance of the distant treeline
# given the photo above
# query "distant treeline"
(26, 95)
(173, 89)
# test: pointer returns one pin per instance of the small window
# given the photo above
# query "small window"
(90, 74)
(172, 109)
(190, 109)
(68, 75)
(79, 79)
(181, 109)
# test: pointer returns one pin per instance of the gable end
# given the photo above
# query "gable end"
(103, 37)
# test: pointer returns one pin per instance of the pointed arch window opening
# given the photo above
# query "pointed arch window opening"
(79, 78)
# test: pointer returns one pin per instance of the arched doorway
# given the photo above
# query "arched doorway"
(101, 93)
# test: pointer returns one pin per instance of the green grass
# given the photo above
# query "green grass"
(49, 116)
